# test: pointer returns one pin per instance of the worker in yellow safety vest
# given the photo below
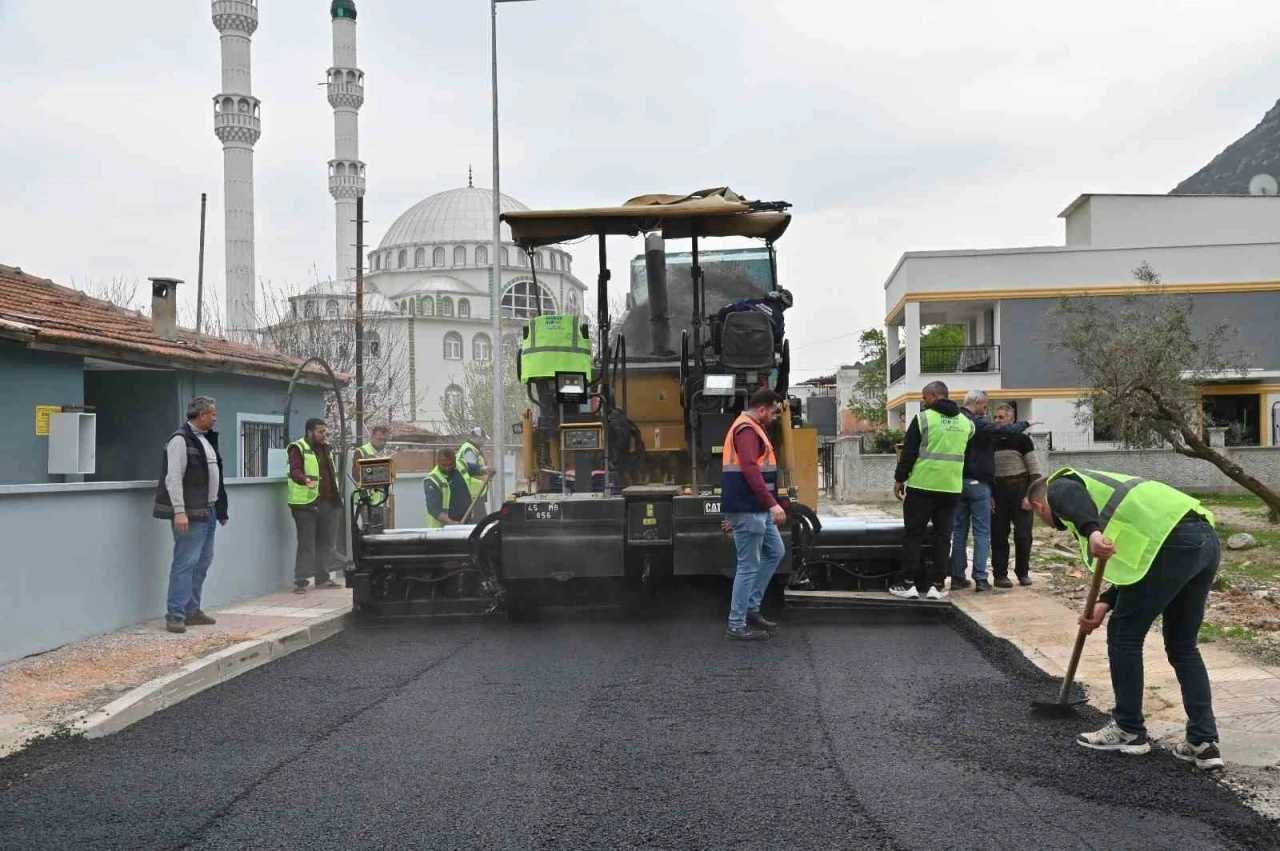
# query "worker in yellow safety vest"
(315, 501)
(471, 463)
(376, 447)
(446, 492)
(1162, 556)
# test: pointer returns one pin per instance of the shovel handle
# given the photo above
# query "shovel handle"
(1094, 587)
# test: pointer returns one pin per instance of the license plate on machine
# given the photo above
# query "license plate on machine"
(542, 511)
(711, 506)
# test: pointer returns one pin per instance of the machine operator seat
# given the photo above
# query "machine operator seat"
(745, 342)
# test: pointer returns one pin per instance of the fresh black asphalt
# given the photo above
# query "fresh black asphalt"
(596, 732)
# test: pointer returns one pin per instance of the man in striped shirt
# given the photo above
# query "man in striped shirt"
(1016, 468)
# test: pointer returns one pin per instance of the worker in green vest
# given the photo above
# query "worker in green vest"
(929, 479)
(1162, 555)
(446, 492)
(376, 447)
(471, 463)
(315, 501)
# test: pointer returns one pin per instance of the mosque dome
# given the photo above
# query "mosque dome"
(458, 215)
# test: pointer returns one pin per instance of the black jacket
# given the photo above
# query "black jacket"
(195, 481)
(980, 455)
(983, 428)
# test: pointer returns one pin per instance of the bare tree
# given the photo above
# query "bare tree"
(474, 405)
(306, 324)
(122, 292)
(1144, 366)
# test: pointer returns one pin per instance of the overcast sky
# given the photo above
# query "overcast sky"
(890, 126)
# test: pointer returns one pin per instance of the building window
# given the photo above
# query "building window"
(571, 303)
(453, 399)
(446, 306)
(402, 259)
(464, 308)
(331, 309)
(453, 346)
(459, 256)
(520, 302)
(426, 306)
(437, 257)
(506, 257)
(413, 307)
(482, 255)
(403, 308)
(420, 257)
(258, 436)
(311, 311)
(481, 347)
(373, 342)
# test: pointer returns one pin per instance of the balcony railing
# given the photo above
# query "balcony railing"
(898, 368)
(959, 359)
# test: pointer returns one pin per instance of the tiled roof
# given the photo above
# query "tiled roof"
(38, 310)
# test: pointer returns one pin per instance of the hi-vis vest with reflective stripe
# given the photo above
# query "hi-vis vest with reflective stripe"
(735, 494)
(442, 483)
(554, 344)
(940, 465)
(1135, 514)
(301, 494)
(474, 483)
(366, 450)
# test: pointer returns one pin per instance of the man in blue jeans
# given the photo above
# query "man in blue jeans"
(974, 507)
(192, 496)
(1162, 554)
(747, 485)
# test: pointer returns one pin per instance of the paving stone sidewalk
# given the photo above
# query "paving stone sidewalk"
(1246, 694)
(44, 693)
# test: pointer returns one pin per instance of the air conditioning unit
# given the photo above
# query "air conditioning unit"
(73, 444)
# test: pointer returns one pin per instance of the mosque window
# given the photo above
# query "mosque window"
(374, 343)
(453, 346)
(464, 308)
(437, 257)
(331, 309)
(459, 256)
(523, 299)
(453, 399)
(446, 306)
(482, 255)
(571, 304)
(506, 258)
(481, 347)
(420, 257)
(311, 311)
(402, 259)
(426, 306)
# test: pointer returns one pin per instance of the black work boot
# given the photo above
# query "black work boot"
(980, 585)
(1003, 582)
(199, 618)
(746, 633)
(958, 582)
(1024, 580)
(761, 622)
(173, 623)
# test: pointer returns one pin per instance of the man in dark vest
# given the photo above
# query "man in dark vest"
(191, 495)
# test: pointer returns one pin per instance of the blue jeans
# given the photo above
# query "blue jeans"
(1177, 586)
(760, 551)
(192, 555)
(975, 505)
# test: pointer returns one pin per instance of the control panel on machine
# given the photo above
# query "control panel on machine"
(374, 473)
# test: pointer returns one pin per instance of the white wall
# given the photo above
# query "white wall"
(1105, 221)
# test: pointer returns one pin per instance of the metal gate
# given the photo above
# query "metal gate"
(1275, 424)
(827, 467)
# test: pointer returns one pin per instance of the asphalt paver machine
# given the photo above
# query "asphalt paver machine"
(617, 494)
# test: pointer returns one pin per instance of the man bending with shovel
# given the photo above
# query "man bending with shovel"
(1158, 548)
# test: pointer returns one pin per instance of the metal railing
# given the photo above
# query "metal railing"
(898, 368)
(948, 359)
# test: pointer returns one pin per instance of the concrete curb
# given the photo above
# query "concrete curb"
(193, 678)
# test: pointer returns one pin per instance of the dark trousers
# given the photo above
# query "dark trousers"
(919, 509)
(1177, 586)
(317, 526)
(1009, 512)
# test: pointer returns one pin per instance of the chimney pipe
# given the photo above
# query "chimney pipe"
(164, 307)
(655, 266)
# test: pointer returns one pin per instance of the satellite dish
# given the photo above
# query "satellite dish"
(1263, 184)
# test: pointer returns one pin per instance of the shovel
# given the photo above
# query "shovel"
(483, 490)
(1066, 703)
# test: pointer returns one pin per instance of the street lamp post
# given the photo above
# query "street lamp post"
(498, 352)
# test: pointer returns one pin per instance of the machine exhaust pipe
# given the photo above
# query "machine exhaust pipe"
(655, 264)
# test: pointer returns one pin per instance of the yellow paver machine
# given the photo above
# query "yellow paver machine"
(617, 497)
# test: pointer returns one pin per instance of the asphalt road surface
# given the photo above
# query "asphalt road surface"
(601, 733)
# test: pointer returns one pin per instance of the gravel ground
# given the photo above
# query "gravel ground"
(591, 732)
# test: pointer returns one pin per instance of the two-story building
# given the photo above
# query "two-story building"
(1222, 251)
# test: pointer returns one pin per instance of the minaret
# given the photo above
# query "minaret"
(346, 171)
(237, 123)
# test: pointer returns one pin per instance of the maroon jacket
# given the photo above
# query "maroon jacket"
(328, 487)
(749, 448)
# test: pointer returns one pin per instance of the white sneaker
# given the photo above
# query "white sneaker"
(1205, 755)
(906, 592)
(936, 593)
(1112, 738)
